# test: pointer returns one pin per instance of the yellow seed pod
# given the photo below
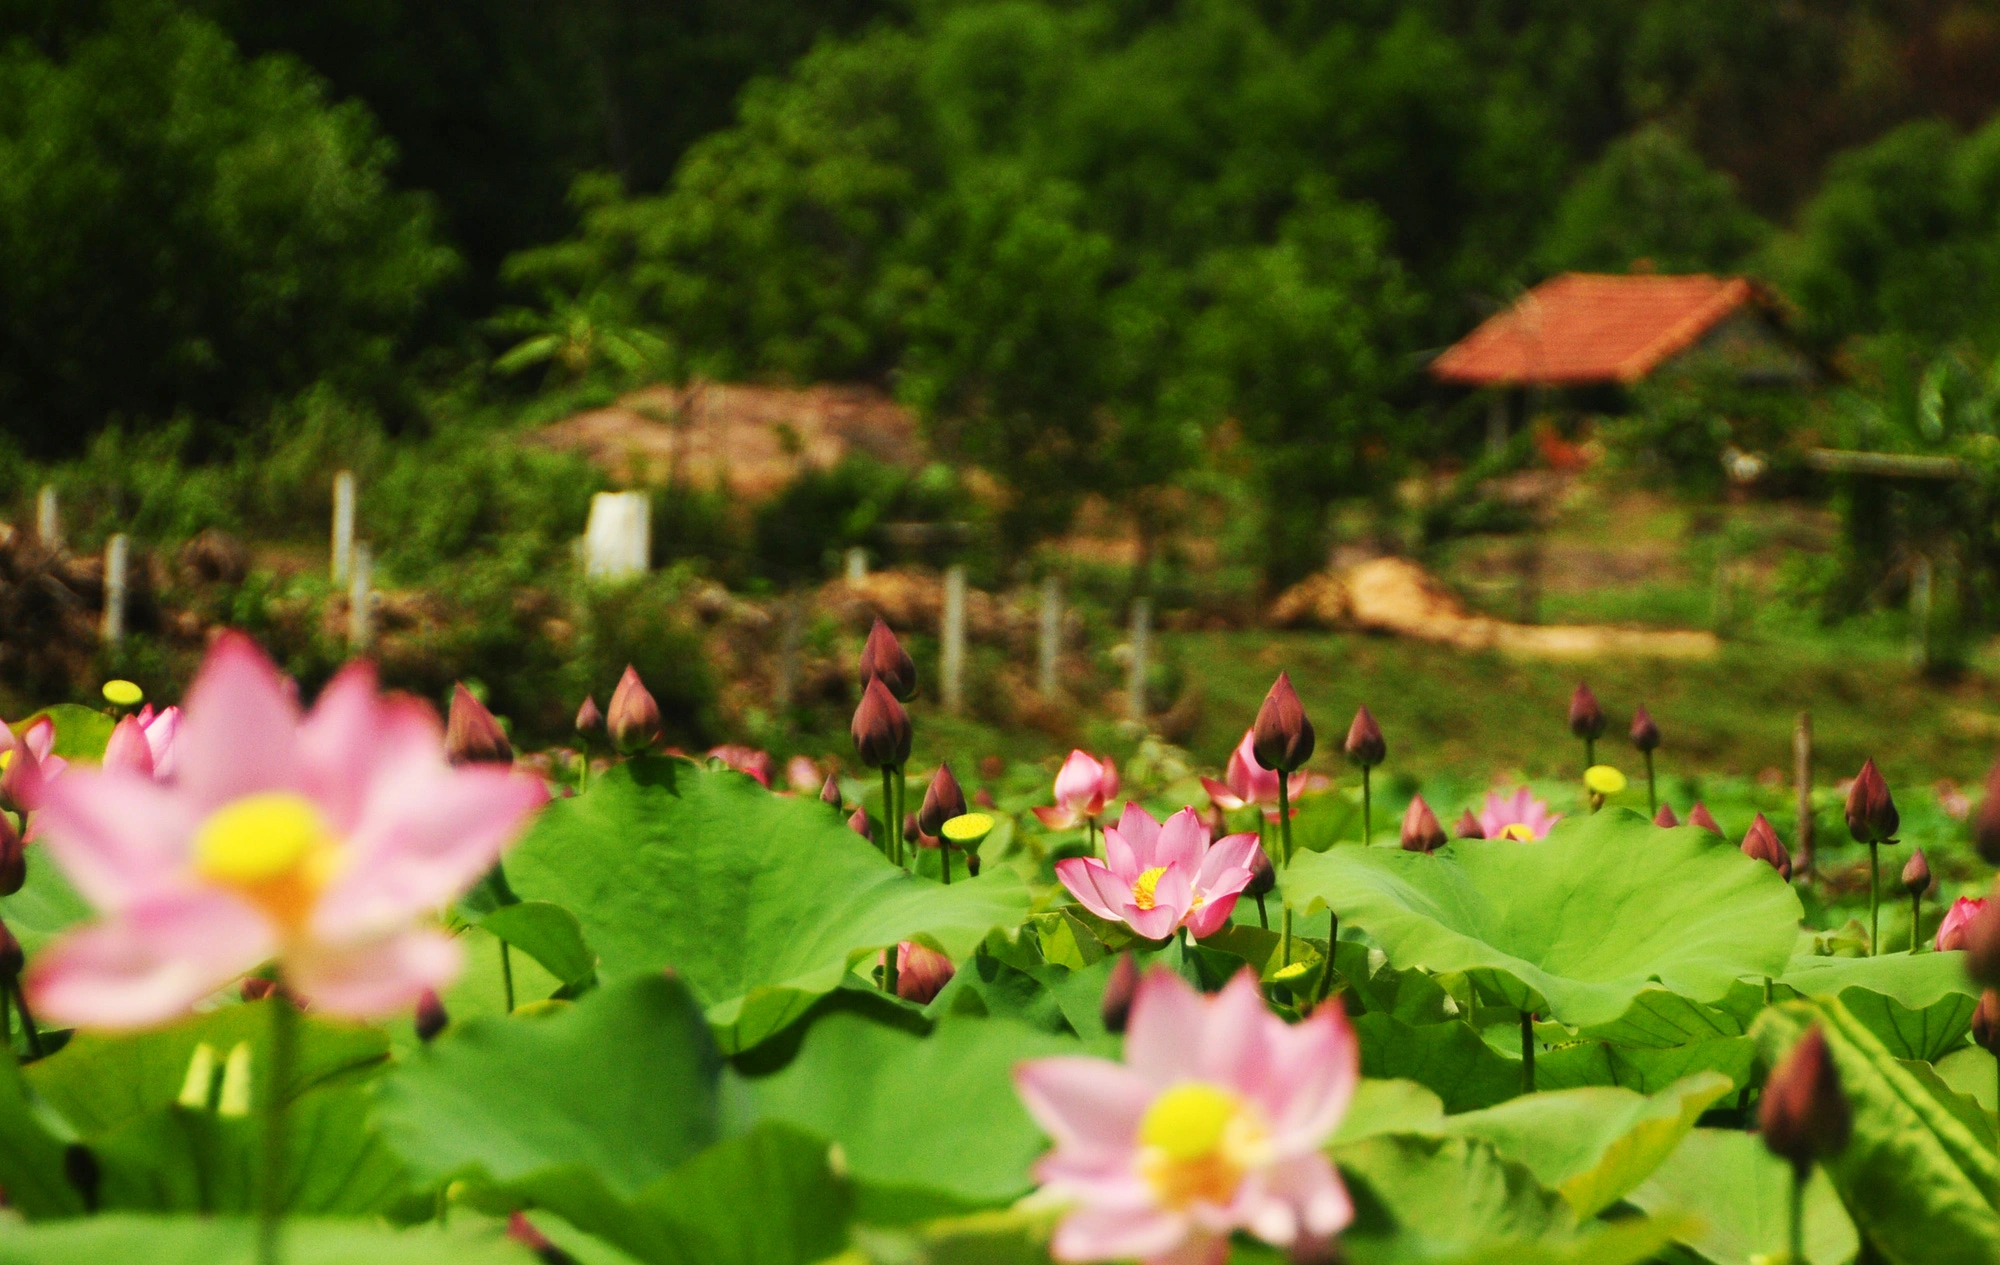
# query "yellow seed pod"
(123, 693)
(1604, 779)
(967, 830)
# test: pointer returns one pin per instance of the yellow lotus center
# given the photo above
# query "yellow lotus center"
(123, 693)
(1196, 1142)
(1149, 882)
(1604, 779)
(1518, 831)
(968, 828)
(273, 848)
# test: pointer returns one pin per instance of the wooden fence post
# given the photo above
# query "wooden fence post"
(1802, 776)
(361, 601)
(1142, 637)
(117, 561)
(952, 653)
(48, 518)
(1048, 646)
(343, 525)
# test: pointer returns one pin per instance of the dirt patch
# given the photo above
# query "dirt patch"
(752, 440)
(1396, 596)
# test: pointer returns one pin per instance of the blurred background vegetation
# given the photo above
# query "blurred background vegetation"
(1157, 279)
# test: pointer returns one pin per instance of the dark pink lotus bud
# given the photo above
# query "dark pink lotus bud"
(1263, 878)
(431, 1016)
(1119, 991)
(588, 719)
(884, 659)
(1700, 816)
(1586, 718)
(858, 822)
(1469, 827)
(1986, 1022)
(1986, 824)
(11, 957)
(1762, 843)
(257, 988)
(1982, 945)
(634, 718)
(1282, 738)
(942, 802)
(1804, 1115)
(1916, 874)
(1421, 831)
(1871, 813)
(13, 857)
(471, 735)
(128, 748)
(1364, 745)
(983, 797)
(1645, 734)
(1665, 817)
(881, 728)
(829, 791)
(921, 973)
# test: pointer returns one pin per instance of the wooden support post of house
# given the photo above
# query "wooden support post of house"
(1802, 776)
(618, 542)
(343, 525)
(361, 601)
(785, 688)
(1048, 647)
(48, 518)
(1496, 422)
(1142, 637)
(117, 564)
(952, 653)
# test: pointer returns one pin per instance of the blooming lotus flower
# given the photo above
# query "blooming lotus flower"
(319, 841)
(1213, 1123)
(803, 775)
(1245, 782)
(144, 743)
(28, 764)
(744, 760)
(1159, 878)
(1951, 932)
(1518, 816)
(1084, 785)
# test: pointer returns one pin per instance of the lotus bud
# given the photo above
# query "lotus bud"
(1364, 745)
(128, 748)
(881, 728)
(431, 1016)
(829, 791)
(588, 719)
(11, 957)
(857, 821)
(1762, 843)
(1871, 812)
(1986, 1022)
(523, 1231)
(983, 797)
(1803, 1114)
(1700, 816)
(257, 988)
(21, 783)
(1982, 946)
(1986, 823)
(471, 735)
(1917, 874)
(884, 659)
(1119, 991)
(13, 857)
(921, 973)
(634, 718)
(1645, 734)
(1421, 831)
(1469, 827)
(1665, 817)
(1282, 738)
(942, 802)
(1586, 718)
(1263, 877)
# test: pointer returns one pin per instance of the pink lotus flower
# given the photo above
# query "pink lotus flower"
(1084, 785)
(1518, 816)
(1213, 1123)
(1245, 782)
(1951, 932)
(319, 841)
(144, 743)
(921, 972)
(745, 760)
(803, 775)
(28, 764)
(1160, 878)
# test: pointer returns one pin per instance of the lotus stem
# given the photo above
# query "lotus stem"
(892, 831)
(1874, 899)
(1652, 792)
(1263, 916)
(6, 1017)
(1916, 916)
(28, 1025)
(1527, 1051)
(1589, 753)
(271, 1192)
(889, 969)
(1285, 851)
(1798, 1239)
(1367, 810)
(507, 974)
(944, 859)
(902, 845)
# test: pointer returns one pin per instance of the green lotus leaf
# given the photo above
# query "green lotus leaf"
(233, 1241)
(1389, 1107)
(1449, 1059)
(1920, 1005)
(547, 933)
(761, 903)
(1575, 926)
(1647, 1071)
(1736, 1198)
(45, 906)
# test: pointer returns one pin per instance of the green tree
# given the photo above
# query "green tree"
(1650, 197)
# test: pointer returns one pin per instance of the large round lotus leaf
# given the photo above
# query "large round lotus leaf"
(1574, 926)
(760, 902)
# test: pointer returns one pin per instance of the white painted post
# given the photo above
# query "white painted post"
(1142, 637)
(343, 525)
(117, 559)
(1049, 645)
(48, 518)
(618, 543)
(361, 600)
(953, 651)
(857, 565)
